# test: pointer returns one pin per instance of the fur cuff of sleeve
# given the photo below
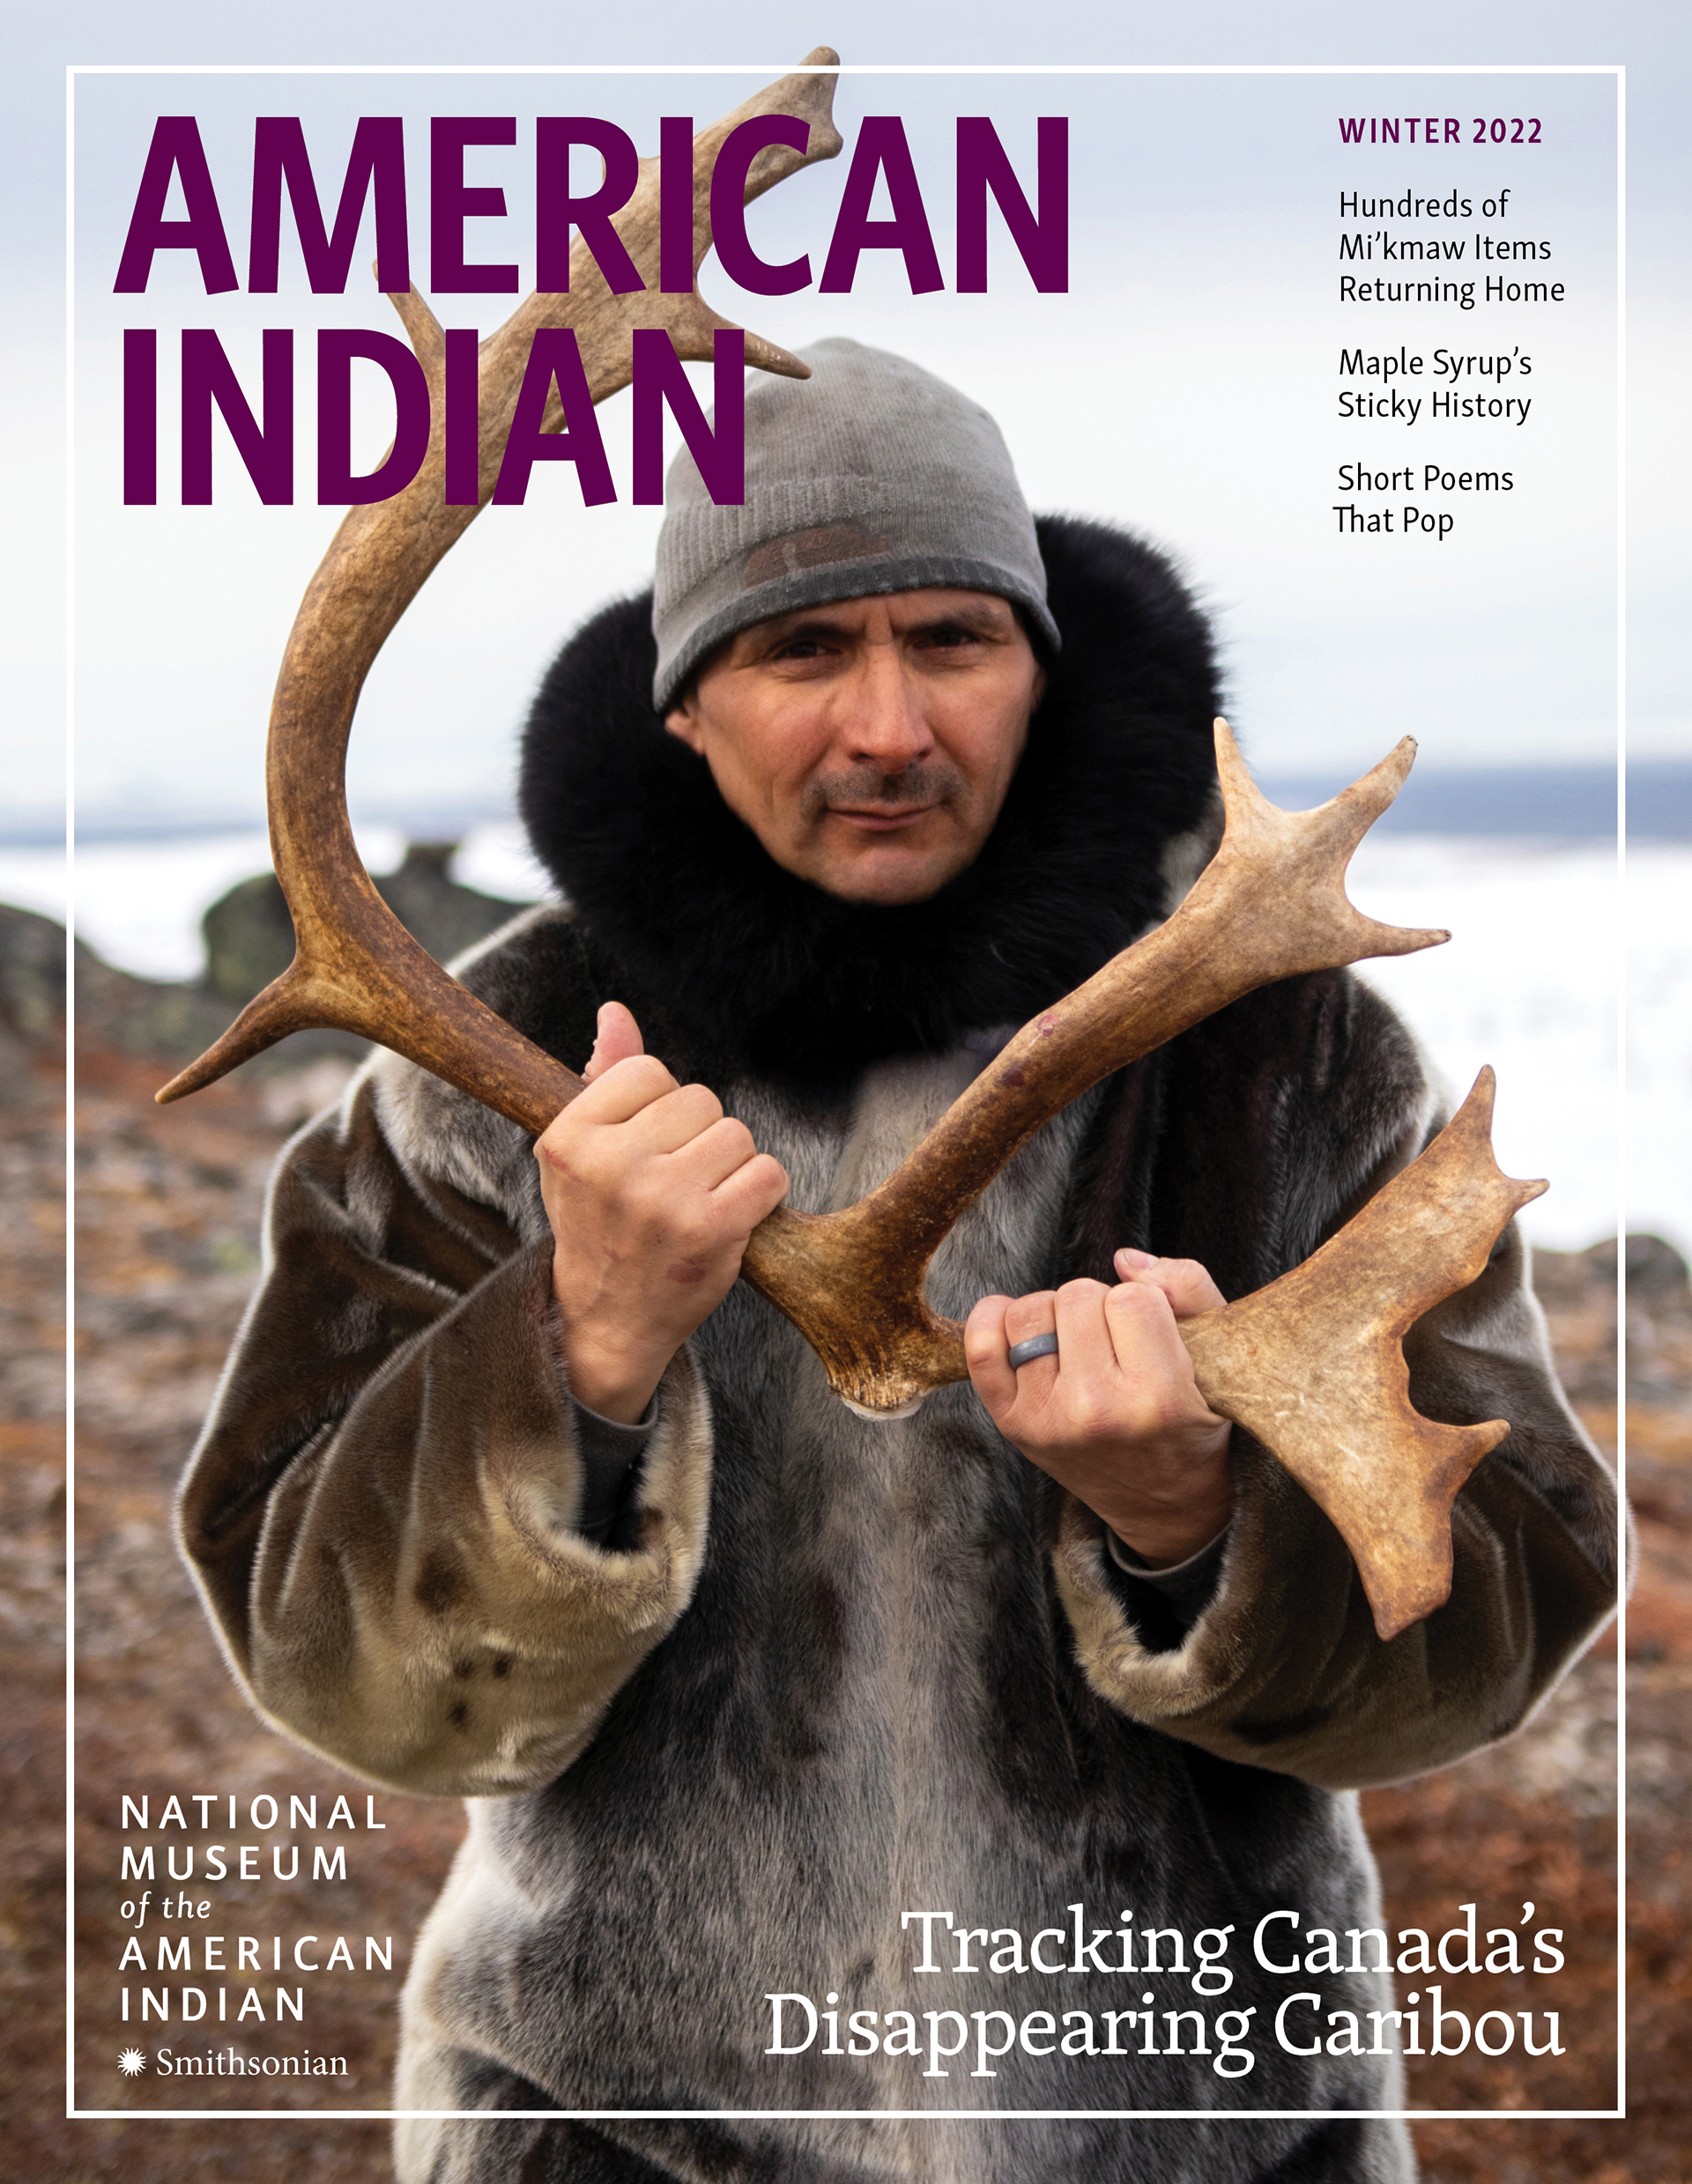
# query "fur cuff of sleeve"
(469, 1638)
(1253, 1680)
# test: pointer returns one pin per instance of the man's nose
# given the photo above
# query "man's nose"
(886, 723)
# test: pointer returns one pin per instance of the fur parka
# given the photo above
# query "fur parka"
(833, 1690)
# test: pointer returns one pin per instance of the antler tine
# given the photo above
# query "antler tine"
(356, 968)
(602, 319)
(1283, 873)
(1313, 1366)
(423, 331)
(1355, 809)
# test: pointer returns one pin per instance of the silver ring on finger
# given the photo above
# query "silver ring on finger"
(1036, 1346)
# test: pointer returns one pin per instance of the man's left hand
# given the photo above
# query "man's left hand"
(1116, 1416)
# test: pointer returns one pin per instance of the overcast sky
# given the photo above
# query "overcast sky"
(1186, 386)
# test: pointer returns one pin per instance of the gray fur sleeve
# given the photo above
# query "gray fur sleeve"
(382, 1512)
(1283, 1669)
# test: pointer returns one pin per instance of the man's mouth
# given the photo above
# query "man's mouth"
(869, 800)
(873, 821)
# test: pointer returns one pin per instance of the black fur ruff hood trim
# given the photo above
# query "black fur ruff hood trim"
(761, 970)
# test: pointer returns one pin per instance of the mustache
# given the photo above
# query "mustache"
(867, 788)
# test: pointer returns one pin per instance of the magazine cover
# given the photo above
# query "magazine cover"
(902, 1487)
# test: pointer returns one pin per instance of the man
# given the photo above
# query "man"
(514, 1493)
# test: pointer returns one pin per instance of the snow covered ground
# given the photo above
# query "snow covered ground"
(1530, 982)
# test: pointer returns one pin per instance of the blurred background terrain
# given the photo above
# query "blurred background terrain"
(167, 1216)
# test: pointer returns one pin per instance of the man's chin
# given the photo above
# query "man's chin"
(884, 875)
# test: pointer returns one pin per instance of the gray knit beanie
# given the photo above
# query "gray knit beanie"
(871, 476)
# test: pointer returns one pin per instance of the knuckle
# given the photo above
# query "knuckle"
(648, 1073)
(553, 1145)
(561, 1165)
(734, 1136)
(699, 1100)
(754, 1177)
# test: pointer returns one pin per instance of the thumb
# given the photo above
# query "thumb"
(617, 1037)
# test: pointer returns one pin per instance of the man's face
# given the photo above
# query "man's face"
(869, 744)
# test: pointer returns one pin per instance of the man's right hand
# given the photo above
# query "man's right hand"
(652, 1192)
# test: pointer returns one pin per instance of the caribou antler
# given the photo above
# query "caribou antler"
(1312, 1365)
(1270, 905)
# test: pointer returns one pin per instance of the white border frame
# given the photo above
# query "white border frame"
(847, 2114)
